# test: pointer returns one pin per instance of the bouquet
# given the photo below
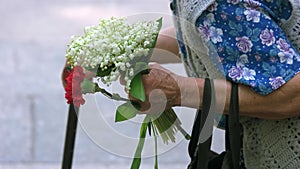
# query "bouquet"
(112, 49)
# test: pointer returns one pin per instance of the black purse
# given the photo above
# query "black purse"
(199, 151)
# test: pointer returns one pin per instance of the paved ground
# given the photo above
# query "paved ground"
(33, 38)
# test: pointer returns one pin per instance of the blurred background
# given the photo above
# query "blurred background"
(33, 111)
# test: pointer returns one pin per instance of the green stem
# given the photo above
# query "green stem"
(138, 152)
(113, 96)
(155, 147)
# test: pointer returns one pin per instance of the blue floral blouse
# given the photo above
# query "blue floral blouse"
(252, 47)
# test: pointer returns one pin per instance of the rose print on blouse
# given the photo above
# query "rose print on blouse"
(215, 34)
(252, 15)
(209, 32)
(205, 33)
(248, 74)
(286, 53)
(236, 73)
(244, 44)
(276, 82)
(267, 37)
(213, 7)
(253, 49)
(286, 57)
(252, 4)
(282, 45)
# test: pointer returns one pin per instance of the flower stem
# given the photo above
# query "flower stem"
(113, 96)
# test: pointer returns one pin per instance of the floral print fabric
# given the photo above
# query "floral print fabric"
(250, 44)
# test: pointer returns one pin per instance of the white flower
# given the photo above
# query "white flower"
(112, 42)
(146, 43)
(131, 72)
(131, 56)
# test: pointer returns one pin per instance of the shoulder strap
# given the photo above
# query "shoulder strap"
(208, 105)
(234, 129)
(199, 153)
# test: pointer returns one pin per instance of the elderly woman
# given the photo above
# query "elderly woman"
(255, 43)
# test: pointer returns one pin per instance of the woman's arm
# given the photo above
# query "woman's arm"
(166, 49)
(186, 91)
(280, 104)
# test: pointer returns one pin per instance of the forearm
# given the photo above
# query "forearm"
(282, 103)
(166, 48)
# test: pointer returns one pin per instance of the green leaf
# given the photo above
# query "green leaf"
(125, 111)
(232, 25)
(159, 23)
(249, 32)
(232, 54)
(138, 152)
(256, 32)
(158, 29)
(137, 88)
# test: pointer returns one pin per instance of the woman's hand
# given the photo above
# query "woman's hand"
(161, 89)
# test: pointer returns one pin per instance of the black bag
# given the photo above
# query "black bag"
(201, 155)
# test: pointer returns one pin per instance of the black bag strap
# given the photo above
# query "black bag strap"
(208, 105)
(234, 129)
(199, 153)
(233, 132)
(195, 148)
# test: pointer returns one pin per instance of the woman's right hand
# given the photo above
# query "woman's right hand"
(161, 90)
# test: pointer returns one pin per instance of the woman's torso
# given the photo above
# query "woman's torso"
(267, 143)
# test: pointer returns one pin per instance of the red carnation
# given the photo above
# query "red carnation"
(72, 88)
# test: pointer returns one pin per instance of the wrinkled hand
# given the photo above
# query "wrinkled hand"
(161, 89)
